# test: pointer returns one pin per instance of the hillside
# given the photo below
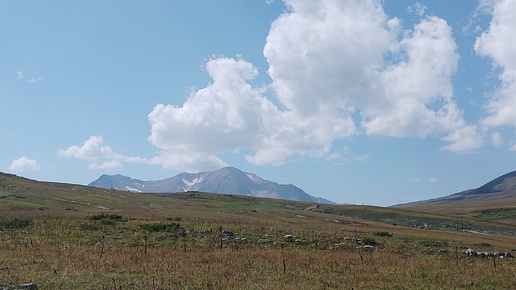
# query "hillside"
(227, 180)
(25, 194)
(67, 236)
(499, 189)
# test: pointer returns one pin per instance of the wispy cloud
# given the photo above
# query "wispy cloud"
(23, 164)
(108, 165)
(417, 8)
(497, 140)
(21, 77)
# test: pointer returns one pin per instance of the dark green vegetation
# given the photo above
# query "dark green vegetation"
(63, 236)
(14, 223)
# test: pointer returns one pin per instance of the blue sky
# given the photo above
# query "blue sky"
(364, 102)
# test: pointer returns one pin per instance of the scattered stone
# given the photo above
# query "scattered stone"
(227, 233)
(491, 255)
(471, 253)
(28, 286)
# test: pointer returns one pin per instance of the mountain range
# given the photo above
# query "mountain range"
(498, 189)
(228, 180)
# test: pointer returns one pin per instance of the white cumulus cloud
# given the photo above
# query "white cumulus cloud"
(24, 164)
(338, 68)
(226, 116)
(463, 140)
(498, 44)
(92, 150)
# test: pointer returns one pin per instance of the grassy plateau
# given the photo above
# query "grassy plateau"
(64, 236)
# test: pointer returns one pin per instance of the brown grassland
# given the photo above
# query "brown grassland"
(62, 236)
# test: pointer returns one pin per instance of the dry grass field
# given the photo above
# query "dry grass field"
(62, 236)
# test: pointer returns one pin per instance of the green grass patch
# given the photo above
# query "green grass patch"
(497, 213)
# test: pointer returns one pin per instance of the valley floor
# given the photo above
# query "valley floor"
(113, 253)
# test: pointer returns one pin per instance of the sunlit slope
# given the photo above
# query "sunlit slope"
(20, 194)
(494, 202)
(501, 189)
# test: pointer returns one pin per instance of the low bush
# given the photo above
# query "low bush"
(177, 219)
(14, 223)
(369, 241)
(105, 216)
(382, 234)
(160, 227)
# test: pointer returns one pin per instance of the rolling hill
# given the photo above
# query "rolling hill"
(497, 190)
(65, 236)
(21, 194)
(227, 180)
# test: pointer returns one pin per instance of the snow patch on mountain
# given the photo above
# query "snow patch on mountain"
(132, 189)
(194, 181)
(253, 177)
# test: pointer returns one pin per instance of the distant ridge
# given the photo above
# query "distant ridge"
(503, 187)
(228, 180)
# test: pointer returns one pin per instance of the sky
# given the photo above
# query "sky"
(356, 101)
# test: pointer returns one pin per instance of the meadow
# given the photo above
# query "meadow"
(61, 236)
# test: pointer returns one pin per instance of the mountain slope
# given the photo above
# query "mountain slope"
(227, 180)
(501, 188)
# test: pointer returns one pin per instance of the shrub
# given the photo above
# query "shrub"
(15, 223)
(382, 234)
(369, 241)
(105, 216)
(160, 227)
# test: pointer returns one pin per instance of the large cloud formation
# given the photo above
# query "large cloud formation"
(498, 44)
(338, 68)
